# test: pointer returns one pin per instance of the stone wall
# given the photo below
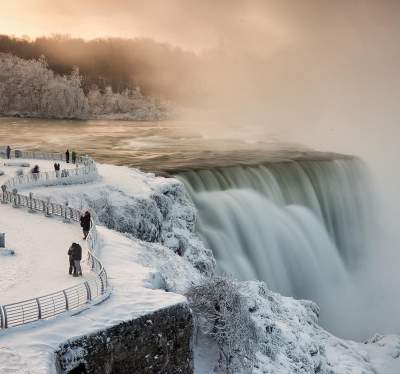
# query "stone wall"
(160, 342)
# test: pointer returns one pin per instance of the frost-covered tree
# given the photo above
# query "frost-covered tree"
(129, 104)
(222, 313)
(28, 88)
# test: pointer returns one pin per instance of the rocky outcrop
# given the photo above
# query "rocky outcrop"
(160, 342)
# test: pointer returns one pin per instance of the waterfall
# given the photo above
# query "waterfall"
(300, 226)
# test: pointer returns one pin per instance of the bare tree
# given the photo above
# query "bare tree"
(222, 313)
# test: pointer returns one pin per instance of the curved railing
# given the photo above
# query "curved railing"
(51, 305)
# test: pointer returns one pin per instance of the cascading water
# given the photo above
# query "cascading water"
(300, 226)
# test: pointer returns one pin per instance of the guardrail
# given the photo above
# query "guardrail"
(85, 171)
(54, 304)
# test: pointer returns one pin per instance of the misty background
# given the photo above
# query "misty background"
(319, 73)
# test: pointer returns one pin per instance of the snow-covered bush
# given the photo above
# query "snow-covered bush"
(28, 88)
(222, 313)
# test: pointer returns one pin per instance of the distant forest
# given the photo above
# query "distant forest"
(160, 70)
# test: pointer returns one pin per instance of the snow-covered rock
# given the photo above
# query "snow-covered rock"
(150, 208)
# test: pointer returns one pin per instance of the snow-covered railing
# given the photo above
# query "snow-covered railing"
(85, 170)
(51, 305)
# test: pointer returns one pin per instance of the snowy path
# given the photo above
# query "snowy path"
(41, 262)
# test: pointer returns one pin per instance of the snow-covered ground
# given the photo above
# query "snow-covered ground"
(40, 264)
(158, 248)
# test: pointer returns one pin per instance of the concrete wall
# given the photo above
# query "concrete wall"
(160, 342)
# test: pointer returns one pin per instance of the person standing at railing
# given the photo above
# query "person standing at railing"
(71, 260)
(57, 169)
(35, 172)
(76, 254)
(85, 224)
(8, 151)
(67, 156)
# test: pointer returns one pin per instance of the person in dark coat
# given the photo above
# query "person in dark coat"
(57, 169)
(35, 172)
(67, 156)
(85, 224)
(76, 254)
(71, 260)
(8, 150)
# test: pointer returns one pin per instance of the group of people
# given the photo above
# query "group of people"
(73, 157)
(75, 257)
(75, 250)
(57, 169)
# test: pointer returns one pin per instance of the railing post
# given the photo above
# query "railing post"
(15, 203)
(102, 282)
(5, 317)
(66, 219)
(47, 208)
(30, 203)
(66, 300)
(39, 309)
(88, 291)
(1, 318)
(4, 189)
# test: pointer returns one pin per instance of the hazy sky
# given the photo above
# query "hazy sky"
(189, 23)
(193, 24)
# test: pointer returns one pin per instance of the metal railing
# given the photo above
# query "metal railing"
(85, 171)
(54, 304)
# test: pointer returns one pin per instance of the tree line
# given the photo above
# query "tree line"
(159, 69)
